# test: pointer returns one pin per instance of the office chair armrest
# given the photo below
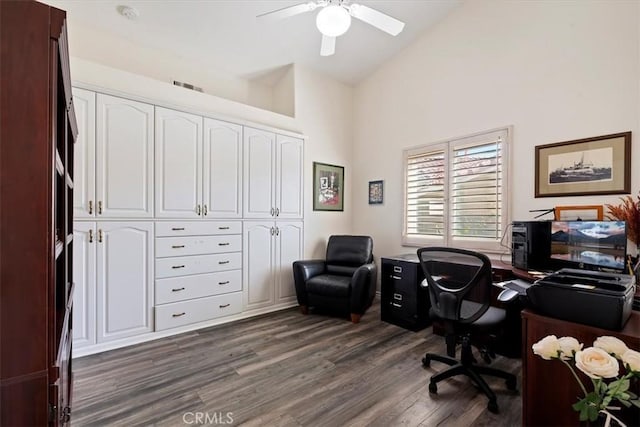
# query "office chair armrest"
(363, 287)
(303, 271)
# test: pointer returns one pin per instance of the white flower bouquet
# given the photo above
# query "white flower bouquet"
(599, 362)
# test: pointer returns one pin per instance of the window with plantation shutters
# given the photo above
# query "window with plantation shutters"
(455, 192)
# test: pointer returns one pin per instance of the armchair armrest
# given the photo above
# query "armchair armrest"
(363, 287)
(303, 271)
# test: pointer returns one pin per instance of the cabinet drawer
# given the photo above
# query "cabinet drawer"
(196, 286)
(182, 266)
(197, 245)
(197, 228)
(197, 310)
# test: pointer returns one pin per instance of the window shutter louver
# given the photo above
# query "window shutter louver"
(425, 194)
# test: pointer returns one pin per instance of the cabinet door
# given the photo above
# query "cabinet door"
(289, 248)
(124, 158)
(222, 169)
(259, 173)
(84, 158)
(258, 261)
(84, 277)
(124, 279)
(289, 179)
(178, 164)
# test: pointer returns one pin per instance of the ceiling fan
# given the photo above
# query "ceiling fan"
(334, 19)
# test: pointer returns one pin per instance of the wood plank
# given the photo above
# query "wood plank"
(286, 369)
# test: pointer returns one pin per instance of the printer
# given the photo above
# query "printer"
(599, 299)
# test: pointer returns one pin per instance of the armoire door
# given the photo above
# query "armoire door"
(289, 248)
(124, 279)
(124, 158)
(84, 158)
(84, 277)
(222, 169)
(178, 164)
(289, 179)
(258, 261)
(259, 173)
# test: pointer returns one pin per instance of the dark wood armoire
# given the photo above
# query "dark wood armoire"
(37, 132)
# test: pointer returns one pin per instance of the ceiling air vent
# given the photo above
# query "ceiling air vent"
(187, 86)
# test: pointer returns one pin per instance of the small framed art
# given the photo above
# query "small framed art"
(328, 187)
(376, 192)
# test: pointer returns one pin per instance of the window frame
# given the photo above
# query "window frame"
(447, 147)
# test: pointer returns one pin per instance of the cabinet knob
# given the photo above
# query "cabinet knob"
(177, 266)
(177, 289)
(223, 228)
(272, 211)
(198, 209)
(90, 235)
(205, 210)
(177, 228)
(178, 314)
(223, 262)
(224, 305)
(99, 207)
(100, 236)
(223, 244)
(177, 246)
(90, 207)
(223, 283)
(277, 211)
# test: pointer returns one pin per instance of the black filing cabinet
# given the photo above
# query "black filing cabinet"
(403, 301)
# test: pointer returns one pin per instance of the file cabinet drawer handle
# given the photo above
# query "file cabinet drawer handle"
(397, 297)
(223, 228)
(177, 228)
(177, 246)
(223, 283)
(223, 244)
(396, 277)
(178, 314)
(177, 266)
(224, 305)
(396, 305)
(177, 289)
(397, 269)
(223, 262)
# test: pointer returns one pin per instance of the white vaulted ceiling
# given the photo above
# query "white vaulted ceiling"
(225, 34)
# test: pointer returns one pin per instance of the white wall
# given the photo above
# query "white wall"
(324, 110)
(556, 71)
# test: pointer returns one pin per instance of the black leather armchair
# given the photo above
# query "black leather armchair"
(345, 282)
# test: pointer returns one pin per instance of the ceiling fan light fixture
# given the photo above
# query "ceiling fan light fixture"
(333, 20)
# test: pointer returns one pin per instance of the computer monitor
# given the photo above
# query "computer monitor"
(596, 245)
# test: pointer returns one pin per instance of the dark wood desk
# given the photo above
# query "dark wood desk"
(548, 388)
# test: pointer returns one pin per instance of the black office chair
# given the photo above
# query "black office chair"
(459, 284)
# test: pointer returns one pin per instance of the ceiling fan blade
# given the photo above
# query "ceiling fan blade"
(286, 12)
(378, 19)
(328, 46)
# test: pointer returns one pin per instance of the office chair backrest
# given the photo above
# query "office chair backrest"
(455, 276)
(346, 253)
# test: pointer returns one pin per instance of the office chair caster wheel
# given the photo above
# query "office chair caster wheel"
(493, 406)
(433, 388)
(426, 362)
(511, 384)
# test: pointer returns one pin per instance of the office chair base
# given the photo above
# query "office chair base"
(471, 371)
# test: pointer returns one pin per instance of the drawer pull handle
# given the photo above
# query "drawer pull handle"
(223, 283)
(224, 305)
(177, 246)
(396, 305)
(223, 262)
(396, 277)
(179, 314)
(397, 296)
(397, 269)
(177, 266)
(223, 228)
(177, 289)
(177, 228)
(223, 244)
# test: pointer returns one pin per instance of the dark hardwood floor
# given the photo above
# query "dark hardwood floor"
(285, 369)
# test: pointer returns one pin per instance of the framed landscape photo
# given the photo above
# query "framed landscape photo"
(598, 165)
(579, 213)
(376, 195)
(328, 187)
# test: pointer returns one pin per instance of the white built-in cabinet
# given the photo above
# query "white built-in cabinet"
(114, 282)
(114, 157)
(159, 238)
(273, 178)
(198, 166)
(270, 247)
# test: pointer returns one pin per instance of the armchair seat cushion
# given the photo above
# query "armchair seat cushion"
(329, 285)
